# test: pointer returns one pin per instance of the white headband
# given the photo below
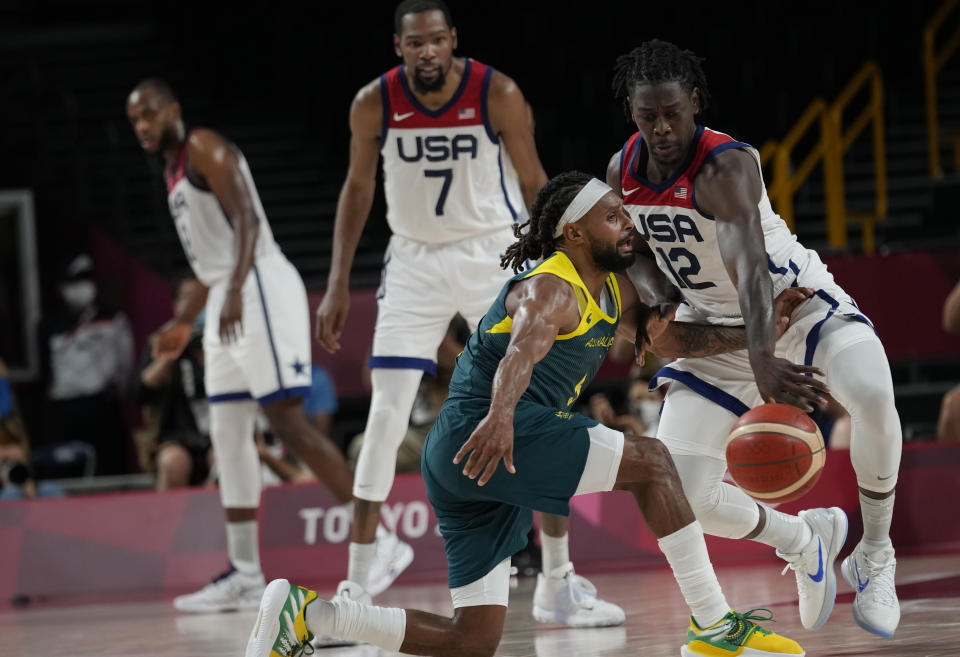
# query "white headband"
(585, 199)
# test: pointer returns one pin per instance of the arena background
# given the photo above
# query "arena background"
(278, 79)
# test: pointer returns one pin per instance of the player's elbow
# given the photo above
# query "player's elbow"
(248, 222)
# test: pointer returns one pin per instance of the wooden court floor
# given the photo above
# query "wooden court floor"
(929, 589)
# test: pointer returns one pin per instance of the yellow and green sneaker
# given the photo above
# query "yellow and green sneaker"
(736, 635)
(280, 629)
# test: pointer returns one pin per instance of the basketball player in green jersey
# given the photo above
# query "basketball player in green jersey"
(540, 343)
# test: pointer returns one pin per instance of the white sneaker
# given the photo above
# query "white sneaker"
(230, 591)
(349, 591)
(871, 574)
(813, 566)
(392, 558)
(565, 597)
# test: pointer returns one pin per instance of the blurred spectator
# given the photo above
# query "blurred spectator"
(948, 426)
(602, 411)
(17, 480)
(643, 406)
(9, 416)
(175, 438)
(320, 406)
(87, 356)
(279, 465)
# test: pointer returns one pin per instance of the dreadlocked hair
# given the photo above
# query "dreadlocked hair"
(535, 238)
(656, 61)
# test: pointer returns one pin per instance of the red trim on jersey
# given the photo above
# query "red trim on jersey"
(676, 191)
(173, 174)
(463, 108)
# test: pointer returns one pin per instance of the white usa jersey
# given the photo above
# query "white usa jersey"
(446, 175)
(205, 230)
(684, 238)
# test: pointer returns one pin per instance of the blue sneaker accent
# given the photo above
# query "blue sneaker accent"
(818, 577)
(860, 585)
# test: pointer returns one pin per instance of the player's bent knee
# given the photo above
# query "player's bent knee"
(873, 396)
(646, 461)
(703, 498)
(470, 638)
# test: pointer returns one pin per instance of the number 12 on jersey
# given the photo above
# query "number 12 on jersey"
(447, 175)
(682, 275)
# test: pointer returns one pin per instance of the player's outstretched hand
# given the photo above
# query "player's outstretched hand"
(785, 303)
(782, 381)
(490, 442)
(171, 340)
(231, 316)
(331, 316)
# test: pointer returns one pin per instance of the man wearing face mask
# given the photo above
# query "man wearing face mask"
(88, 355)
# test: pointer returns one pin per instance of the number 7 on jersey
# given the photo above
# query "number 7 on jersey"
(447, 175)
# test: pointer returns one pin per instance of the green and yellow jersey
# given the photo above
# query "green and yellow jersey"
(572, 361)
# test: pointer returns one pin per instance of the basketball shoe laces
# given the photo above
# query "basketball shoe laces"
(294, 649)
(740, 626)
(582, 591)
(803, 564)
(880, 574)
(226, 582)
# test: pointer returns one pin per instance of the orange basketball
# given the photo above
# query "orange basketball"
(775, 453)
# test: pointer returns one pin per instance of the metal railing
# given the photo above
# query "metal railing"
(869, 74)
(933, 61)
(832, 143)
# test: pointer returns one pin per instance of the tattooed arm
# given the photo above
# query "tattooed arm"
(688, 340)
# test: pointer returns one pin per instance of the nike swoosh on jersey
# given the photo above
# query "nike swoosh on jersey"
(818, 576)
(401, 117)
(628, 191)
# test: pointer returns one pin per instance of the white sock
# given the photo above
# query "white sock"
(555, 552)
(687, 553)
(787, 533)
(877, 516)
(242, 546)
(361, 560)
(348, 619)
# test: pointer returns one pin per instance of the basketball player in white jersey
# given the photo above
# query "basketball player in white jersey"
(256, 340)
(698, 201)
(460, 165)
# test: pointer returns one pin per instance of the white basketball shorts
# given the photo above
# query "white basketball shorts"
(271, 360)
(424, 285)
(728, 382)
